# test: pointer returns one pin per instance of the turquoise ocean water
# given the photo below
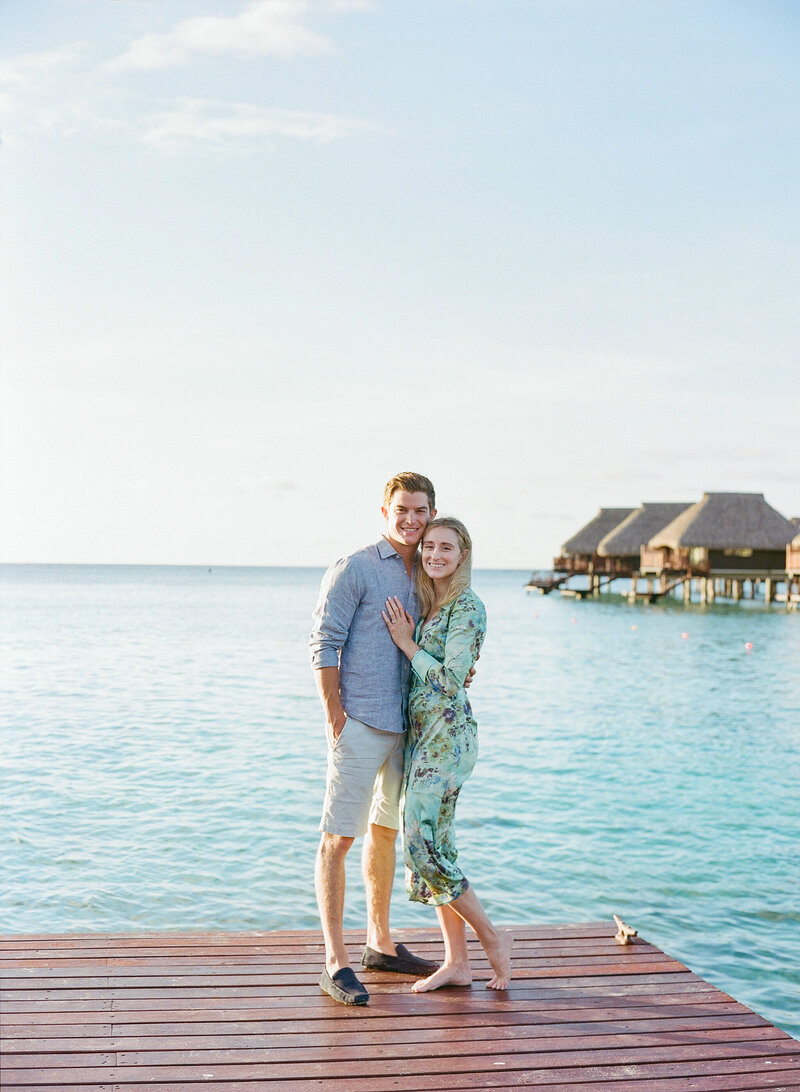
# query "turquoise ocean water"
(163, 763)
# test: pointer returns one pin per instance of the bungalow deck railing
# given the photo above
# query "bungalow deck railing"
(601, 566)
(665, 559)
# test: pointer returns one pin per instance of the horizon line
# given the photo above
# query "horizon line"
(222, 565)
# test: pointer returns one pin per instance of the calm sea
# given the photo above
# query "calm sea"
(163, 765)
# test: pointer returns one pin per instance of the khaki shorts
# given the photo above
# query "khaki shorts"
(365, 776)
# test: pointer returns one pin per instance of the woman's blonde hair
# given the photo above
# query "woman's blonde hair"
(461, 578)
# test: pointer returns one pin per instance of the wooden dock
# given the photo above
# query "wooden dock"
(243, 1011)
(545, 581)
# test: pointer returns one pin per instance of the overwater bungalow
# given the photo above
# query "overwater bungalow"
(727, 544)
(579, 553)
(624, 543)
(723, 540)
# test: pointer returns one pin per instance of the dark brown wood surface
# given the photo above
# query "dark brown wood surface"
(243, 1011)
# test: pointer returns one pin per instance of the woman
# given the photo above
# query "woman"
(442, 748)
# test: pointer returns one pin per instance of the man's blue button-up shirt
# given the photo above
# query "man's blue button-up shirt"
(349, 633)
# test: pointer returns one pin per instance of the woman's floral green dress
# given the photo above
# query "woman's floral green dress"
(442, 747)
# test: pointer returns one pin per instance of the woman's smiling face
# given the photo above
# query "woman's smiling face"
(441, 553)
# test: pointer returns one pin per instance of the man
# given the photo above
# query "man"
(362, 679)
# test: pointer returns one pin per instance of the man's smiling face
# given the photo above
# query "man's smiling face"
(407, 517)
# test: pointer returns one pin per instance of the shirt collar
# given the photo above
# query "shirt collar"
(385, 548)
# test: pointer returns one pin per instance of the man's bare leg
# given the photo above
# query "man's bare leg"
(329, 881)
(378, 863)
(455, 971)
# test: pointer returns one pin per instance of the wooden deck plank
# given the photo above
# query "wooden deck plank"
(615, 1081)
(599, 1063)
(17, 976)
(253, 976)
(122, 1012)
(702, 1077)
(421, 1038)
(303, 996)
(120, 942)
(240, 1048)
(714, 1083)
(263, 956)
(637, 1005)
(300, 984)
(121, 1000)
(407, 1058)
(59, 1036)
(305, 936)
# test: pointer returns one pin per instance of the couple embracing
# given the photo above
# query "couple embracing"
(397, 631)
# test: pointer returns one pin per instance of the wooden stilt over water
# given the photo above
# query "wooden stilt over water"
(243, 1011)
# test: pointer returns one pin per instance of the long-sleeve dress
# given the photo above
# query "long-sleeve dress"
(442, 747)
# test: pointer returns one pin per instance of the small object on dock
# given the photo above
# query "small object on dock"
(544, 581)
(624, 934)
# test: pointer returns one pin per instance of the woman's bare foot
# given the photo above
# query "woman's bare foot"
(449, 974)
(500, 959)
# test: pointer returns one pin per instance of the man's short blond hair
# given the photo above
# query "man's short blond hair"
(411, 483)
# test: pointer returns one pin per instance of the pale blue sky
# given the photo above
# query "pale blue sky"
(257, 257)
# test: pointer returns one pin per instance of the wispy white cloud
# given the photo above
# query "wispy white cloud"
(241, 126)
(265, 27)
(48, 92)
(27, 68)
(68, 92)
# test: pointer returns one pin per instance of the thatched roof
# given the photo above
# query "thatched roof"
(727, 521)
(588, 538)
(639, 527)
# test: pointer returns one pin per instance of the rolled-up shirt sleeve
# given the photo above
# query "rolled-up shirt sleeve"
(339, 596)
(465, 632)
